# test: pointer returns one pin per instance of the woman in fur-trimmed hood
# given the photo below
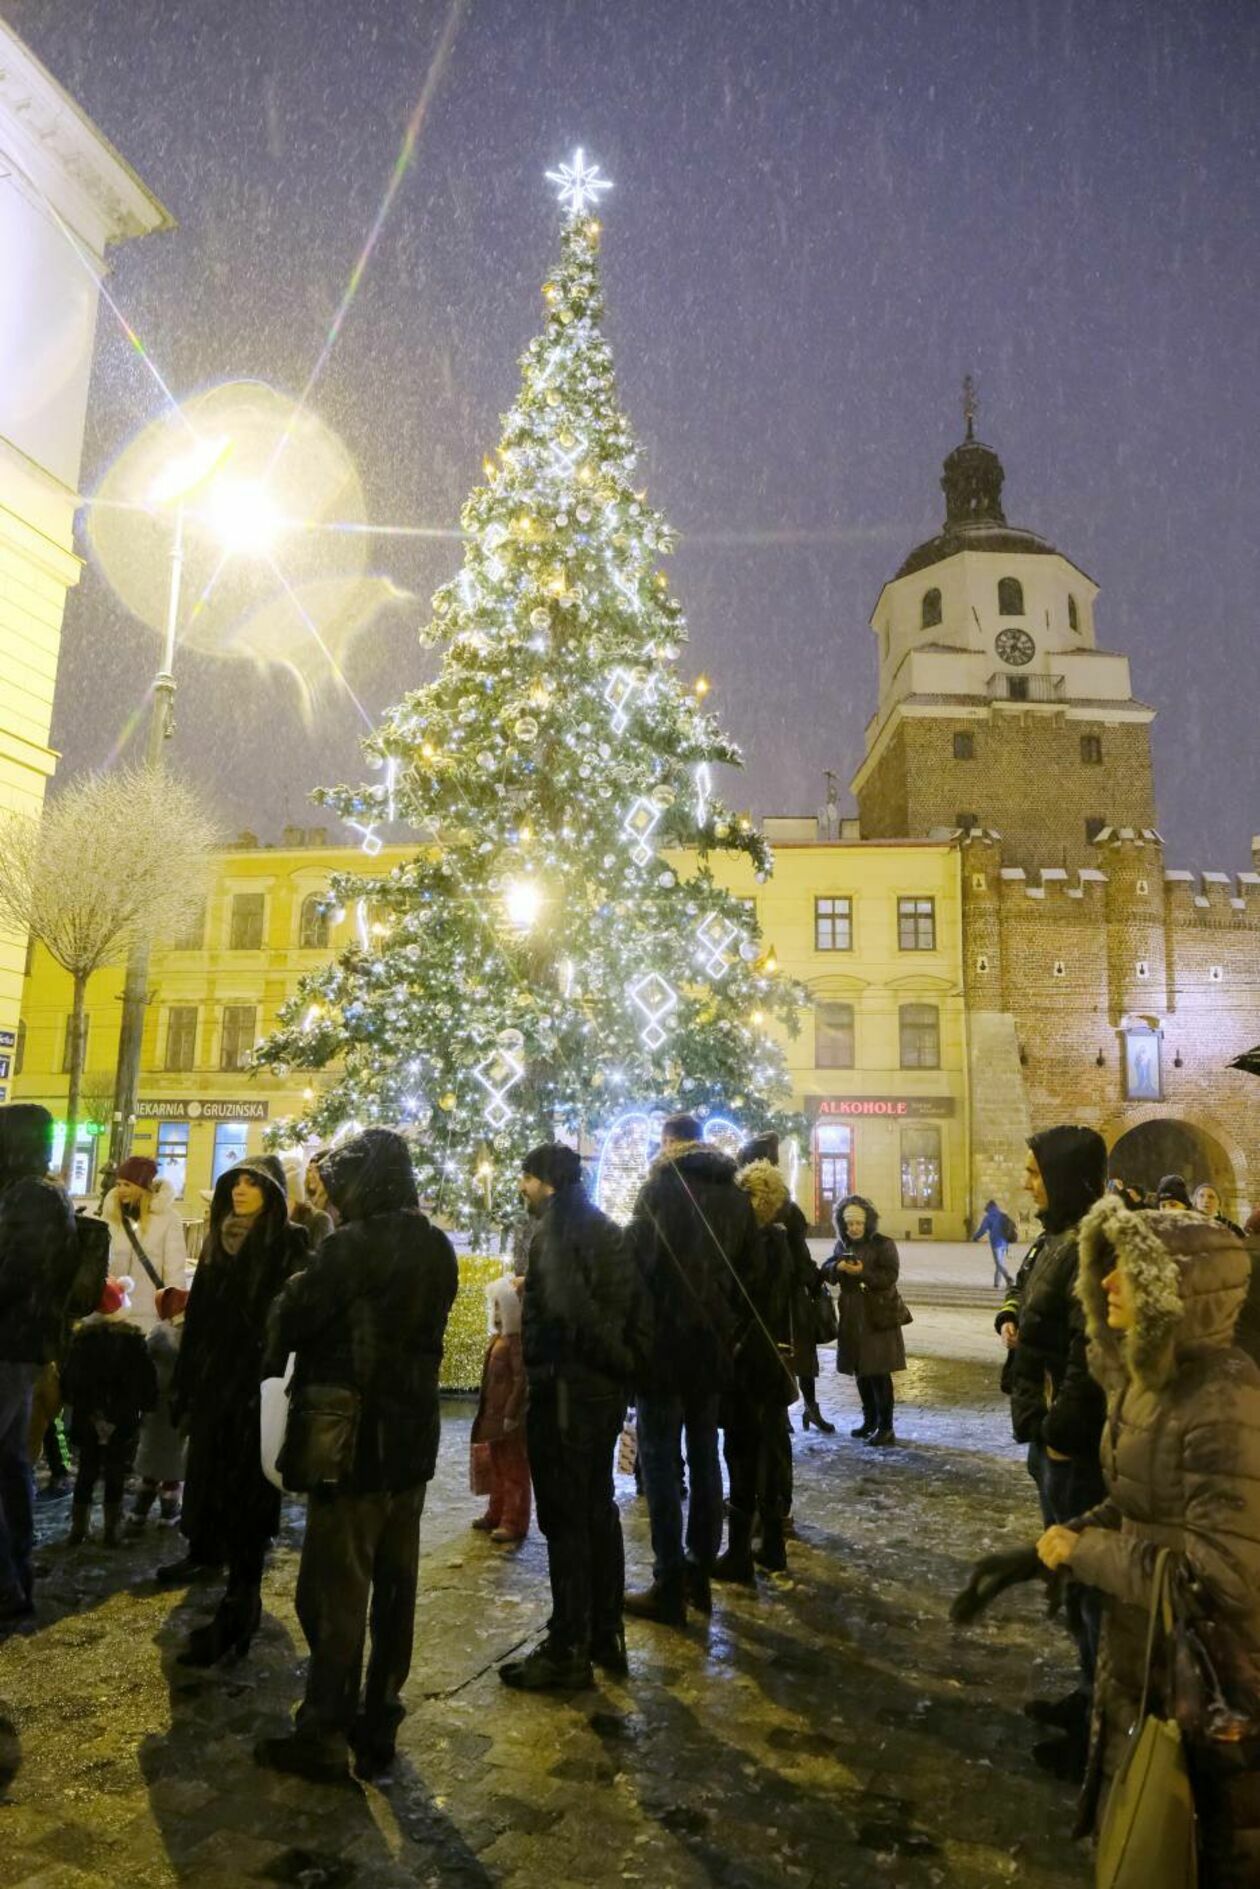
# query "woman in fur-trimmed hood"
(866, 1265)
(1181, 1460)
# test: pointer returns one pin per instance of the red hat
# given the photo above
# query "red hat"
(170, 1301)
(138, 1168)
(115, 1297)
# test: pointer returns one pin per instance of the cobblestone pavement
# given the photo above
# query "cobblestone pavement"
(831, 1729)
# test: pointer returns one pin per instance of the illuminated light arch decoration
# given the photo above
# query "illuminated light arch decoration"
(632, 1143)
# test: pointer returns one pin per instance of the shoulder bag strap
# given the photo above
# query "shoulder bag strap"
(141, 1255)
(1160, 1606)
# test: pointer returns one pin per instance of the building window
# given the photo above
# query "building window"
(1010, 597)
(315, 927)
(1016, 688)
(1091, 750)
(921, 1168)
(920, 1036)
(964, 747)
(247, 921)
(833, 1036)
(238, 1036)
(833, 924)
(19, 1047)
(833, 1169)
(1141, 1066)
(966, 821)
(231, 1146)
(181, 1036)
(191, 934)
(1094, 824)
(67, 1046)
(1073, 619)
(916, 924)
(930, 614)
(172, 1155)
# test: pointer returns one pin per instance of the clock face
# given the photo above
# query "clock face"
(1015, 647)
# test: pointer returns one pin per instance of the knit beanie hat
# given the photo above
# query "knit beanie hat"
(1172, 1187)
(138, 1168)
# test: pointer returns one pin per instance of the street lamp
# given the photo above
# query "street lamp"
(242, 516)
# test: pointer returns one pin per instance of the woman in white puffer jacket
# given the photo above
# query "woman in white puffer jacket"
(139, 1201)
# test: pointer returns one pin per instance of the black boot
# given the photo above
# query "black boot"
(867, 1427)
(608, 1651)
(772, 1553)
(191, 1566)
(737, 1564)
(549, 1668)
(230, 1630)
(699, 1592)
(1061, 1715)
(665, 1602)
(813, 1415)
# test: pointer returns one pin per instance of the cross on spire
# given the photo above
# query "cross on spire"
(970, 405)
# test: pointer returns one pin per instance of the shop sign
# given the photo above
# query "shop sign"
(164, 1110)
(899, 1108)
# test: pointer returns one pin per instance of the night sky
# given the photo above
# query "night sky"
(824, 214)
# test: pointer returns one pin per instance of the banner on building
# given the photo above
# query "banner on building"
(901, 1108)
(166, 1110)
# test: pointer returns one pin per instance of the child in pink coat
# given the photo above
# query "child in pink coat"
(500, 1467)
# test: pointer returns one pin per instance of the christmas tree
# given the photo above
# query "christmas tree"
(556, 952)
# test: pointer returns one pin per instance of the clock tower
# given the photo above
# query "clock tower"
(996, 708)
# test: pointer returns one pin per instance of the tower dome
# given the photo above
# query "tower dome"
(972, 479)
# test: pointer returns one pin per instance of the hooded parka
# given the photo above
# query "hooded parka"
(39, 1252)
(230, 1510)
(1054, 1400)
(870, 1309)
(1181, 1462)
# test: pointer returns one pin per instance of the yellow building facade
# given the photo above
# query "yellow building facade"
(871, 930)
(66, 198)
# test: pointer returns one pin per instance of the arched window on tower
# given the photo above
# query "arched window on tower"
(1074, 622)
(1010, 597)
(930, 613)
(315, 923)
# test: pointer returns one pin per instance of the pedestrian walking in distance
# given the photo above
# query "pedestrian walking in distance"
(500, 1466)
(692, 1238)
(109, 1382)
(1056, 1407)
(231, 1511)
(1181, 1465)
(579, 1336)
(366, 1323)
(999, 1229)
(866, 1266)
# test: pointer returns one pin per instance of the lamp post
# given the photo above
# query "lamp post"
(242, 519)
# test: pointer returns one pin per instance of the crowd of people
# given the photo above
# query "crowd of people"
(705, 1313)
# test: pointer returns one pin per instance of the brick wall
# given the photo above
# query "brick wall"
(1027, 780)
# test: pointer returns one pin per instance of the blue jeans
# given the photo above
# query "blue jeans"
(1000, 1275)
(17, 1484)
(664, 1421)
(1066, 1491)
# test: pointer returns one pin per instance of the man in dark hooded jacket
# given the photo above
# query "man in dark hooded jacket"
(1057, 1409)
(578, 1340)
(39, 1258)
(693, 1237)
(368, 1314)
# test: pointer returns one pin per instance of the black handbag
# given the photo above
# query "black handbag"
(320, 1437)
(826, 1324)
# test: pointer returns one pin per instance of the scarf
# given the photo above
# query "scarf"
(235, 1230)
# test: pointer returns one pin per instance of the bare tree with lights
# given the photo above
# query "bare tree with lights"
(114, 857)
(540, 965)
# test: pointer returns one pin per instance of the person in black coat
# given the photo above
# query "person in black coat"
(369, 1315)
(231, 1511)
(579, 1340)
(109, 1382)
(807, 1291)
(39, 1259)
(692, 1237)
(1057, 1408)
(866, 1266)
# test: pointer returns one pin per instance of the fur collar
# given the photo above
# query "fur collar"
(700, 1158)
(765, 1188)
(1189, 1278)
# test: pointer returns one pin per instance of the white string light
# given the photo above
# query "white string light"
(621, 686)
(498, 1076)
(704, 790)
(715, 934)
(638, 827)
